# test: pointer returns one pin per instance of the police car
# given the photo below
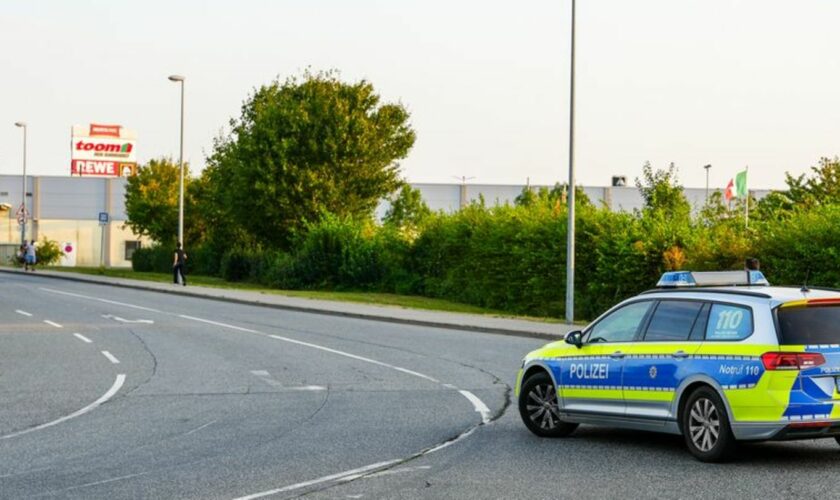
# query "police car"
(717, 357)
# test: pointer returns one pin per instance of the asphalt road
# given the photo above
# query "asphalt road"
(204, 399)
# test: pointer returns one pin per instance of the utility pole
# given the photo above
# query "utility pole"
(570, 226)
(707, 167)
(180, 79)
(23, 189)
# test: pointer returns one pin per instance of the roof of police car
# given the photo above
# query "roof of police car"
(781, 294)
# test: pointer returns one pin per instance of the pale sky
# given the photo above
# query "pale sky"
(726, 82)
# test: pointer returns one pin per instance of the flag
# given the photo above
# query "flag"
(737, 187)
(741, 184)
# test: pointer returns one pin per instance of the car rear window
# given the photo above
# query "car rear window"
(809, 325)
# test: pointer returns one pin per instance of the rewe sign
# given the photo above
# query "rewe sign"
(102, 151)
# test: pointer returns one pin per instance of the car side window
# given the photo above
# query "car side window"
(673, 320)
(729, 322)
(621, 325)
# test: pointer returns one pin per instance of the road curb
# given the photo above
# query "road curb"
(288, 307)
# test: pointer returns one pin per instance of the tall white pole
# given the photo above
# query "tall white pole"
(23, 186)
(570, 230)
(747, 200)
(180, 79)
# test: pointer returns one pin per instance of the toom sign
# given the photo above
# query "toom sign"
(102, 151)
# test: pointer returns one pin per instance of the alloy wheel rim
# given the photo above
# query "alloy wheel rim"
(704, 424)
(542, 406)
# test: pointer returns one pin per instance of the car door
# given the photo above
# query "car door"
(591, 377)
(655, 366)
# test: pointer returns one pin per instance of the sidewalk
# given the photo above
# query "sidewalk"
(393, 314)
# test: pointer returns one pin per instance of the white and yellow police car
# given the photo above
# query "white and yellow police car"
(716, 357)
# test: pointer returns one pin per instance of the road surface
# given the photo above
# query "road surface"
(115, 393)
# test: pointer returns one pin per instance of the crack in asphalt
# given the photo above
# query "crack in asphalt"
(154, 362)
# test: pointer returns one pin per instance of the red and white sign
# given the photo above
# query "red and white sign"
(102, 151)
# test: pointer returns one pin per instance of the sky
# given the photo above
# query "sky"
(731, 83)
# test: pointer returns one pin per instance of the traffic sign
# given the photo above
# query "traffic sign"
(103, 217)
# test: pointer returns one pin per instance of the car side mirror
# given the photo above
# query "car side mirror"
(575, 338)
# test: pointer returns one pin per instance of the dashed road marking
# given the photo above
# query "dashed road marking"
(23, 312)
(259, 373)
(52, 323)
(82, 338)
(111, 357)
(264, 376)
(118, 383)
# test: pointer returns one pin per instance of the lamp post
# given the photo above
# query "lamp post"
(707, 167)
(23, 186)
(180, 79)
(570, 225)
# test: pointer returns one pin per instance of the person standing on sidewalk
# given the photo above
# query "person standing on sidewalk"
(180, 259)
(30, 256)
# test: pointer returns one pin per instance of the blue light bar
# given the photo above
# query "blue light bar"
(678, 279)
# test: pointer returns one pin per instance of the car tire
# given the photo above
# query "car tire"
(705, 426)
(539, 408)
(837, 438)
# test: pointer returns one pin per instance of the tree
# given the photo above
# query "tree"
(304, 147)
(151, 199)
(407, 209)
(662, 192)
(804, 192)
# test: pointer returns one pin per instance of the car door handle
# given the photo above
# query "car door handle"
(680, 355)
(617, 355)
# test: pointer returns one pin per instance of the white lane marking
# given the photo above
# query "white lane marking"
(401, 470)
(450, 386)
(118, 383)
(232, 327)
(479, 405)
(353, 356)
(52, 323)
(263, 375)
(208, 424)
(23, 312)
(82, 338)
(111, 357)
(324, 479)
(104, 481)
(50, 290)
(123, 320)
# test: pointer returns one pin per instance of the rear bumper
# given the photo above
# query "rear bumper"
(785, 431)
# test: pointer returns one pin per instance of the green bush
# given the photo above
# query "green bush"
(48, 252)
(156, 258)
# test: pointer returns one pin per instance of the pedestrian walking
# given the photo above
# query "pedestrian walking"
(30, 256)
(180, 260)
(21, 256)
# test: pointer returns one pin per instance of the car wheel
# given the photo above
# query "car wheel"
(705, 426)
(837, 438)
(539, 409)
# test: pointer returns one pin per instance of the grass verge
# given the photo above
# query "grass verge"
(373, 298)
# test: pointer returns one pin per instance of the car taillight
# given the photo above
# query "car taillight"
(791, 360)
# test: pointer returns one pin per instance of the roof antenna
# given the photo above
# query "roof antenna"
(805, 288)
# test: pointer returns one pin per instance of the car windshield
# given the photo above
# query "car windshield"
(809, 325)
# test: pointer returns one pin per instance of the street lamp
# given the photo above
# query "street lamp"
(180, 79)
(570, 225)
(707, 167)
(23, 186)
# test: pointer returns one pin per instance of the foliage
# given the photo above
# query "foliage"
(151, 200)
(661, 191)
(157, 258)
(303, 147)
(48, 252)
(408, 209)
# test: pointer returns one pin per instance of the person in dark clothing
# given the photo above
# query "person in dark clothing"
(180, 259)
(752, 264)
